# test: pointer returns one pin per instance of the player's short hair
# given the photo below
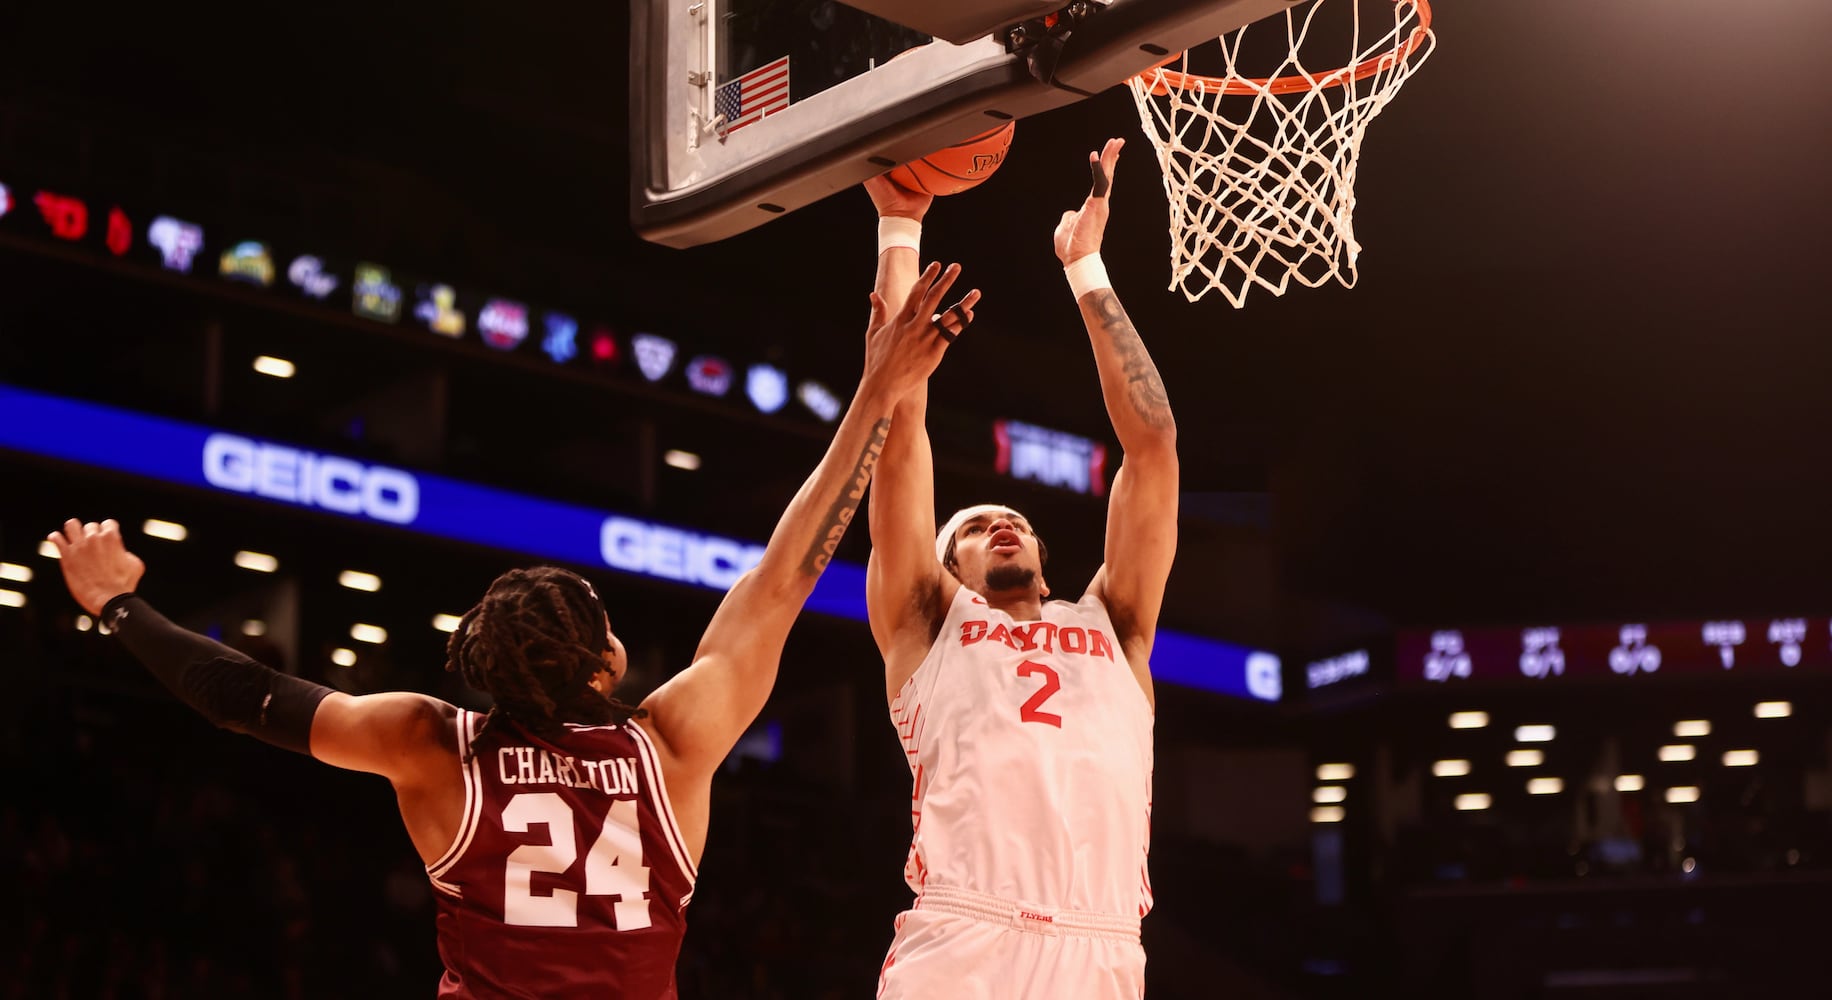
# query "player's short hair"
(944, 538)
(534, 643)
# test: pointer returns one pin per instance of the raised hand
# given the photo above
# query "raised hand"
(893, 199)
(1079, 233)
(97, 566)
(903, 348)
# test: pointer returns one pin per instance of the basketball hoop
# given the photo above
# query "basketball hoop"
(1260, 171)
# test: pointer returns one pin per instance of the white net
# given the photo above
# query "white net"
(1260, 172)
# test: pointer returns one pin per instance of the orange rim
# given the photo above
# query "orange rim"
(1162, 80)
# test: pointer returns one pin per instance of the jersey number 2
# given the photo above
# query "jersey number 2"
(613, 868)
(1031, 710)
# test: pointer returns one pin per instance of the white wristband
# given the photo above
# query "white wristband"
(1086, 275)
(897, 231)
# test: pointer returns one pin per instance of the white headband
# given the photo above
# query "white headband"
(962, 516)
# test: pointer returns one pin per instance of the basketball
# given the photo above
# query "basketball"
(959, 167)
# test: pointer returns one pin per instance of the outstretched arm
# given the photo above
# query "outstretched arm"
(1142, 511)
(700, 714)
(404, 737)
(905, 588)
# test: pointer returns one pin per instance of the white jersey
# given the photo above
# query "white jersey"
(1030, 748)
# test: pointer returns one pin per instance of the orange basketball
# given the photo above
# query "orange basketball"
(960, 166)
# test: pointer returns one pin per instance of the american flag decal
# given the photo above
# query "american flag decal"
(762, 91)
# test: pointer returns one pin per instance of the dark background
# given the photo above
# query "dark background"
(1582, 379)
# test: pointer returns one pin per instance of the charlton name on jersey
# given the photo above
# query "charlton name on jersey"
(534, 766)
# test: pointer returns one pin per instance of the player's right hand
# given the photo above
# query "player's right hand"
(903, 348)
(1079, 233)
(892, 198)
(97, 566)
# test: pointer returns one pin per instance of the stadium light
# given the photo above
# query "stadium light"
(1534, 734)
(1630, 783)
(1468, 720)
(446, 623)
(1474, 801)
(373, 634)
(276, 367)
(84, 623)
(1327, 814)
(171, 531)
(1525, 758)
(1692, 728)
(49, 551)
(1329, 793)
(15, 572)
(1675, 752)
(343, 657)
(1335, 772)
(1449, 768)
(1682, 793)
(11, 599)
(259, 562)
(1774, 709)
(254, 627)
(1741, 758)
(1545, 786)
(684, 460)
(358, 580)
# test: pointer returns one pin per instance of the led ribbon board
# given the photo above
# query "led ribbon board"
(220, 461)
(1555, 653)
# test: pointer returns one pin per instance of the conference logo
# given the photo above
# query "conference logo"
(375, 295)
(307, 274)
(177, 241)
(654, 355)
(248, 262)
(709, 375)
(438, 310)
(503, 324)
(767, 387)
(561, 344)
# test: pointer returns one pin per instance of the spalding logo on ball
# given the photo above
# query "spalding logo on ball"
(959, 167)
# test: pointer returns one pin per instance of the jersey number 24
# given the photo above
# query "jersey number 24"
(613, 868)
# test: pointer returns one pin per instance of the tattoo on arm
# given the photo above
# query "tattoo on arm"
(844, 506)
(1144, 388)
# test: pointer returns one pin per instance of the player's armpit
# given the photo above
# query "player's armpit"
(1141, 543)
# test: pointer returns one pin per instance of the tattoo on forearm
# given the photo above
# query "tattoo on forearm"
(844, 506)
(1145, 389)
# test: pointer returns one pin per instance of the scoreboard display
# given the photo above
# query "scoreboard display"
(1551, 653)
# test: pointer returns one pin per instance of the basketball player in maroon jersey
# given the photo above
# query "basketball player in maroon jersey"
(1027, 722)
(561, 830)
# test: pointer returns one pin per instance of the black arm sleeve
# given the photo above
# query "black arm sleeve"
(224, 686)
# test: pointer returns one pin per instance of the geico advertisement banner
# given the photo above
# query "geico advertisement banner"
(177, 452)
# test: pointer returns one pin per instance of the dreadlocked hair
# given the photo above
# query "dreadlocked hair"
(534, 643)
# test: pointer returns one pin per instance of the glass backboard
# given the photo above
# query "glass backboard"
(742, 110)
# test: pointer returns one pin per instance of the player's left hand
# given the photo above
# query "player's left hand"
(902, 348)
(1079, 233)
(96, 564)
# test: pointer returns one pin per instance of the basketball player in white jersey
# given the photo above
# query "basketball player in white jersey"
(1027, 721)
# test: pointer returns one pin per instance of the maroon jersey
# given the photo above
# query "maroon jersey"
(569, 876)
